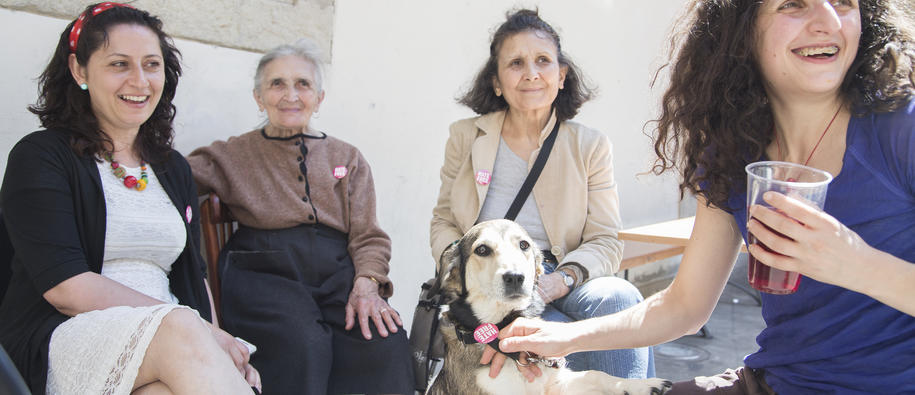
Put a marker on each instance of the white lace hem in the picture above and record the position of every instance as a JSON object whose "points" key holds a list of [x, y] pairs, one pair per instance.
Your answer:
{"points": [[100, 352]]}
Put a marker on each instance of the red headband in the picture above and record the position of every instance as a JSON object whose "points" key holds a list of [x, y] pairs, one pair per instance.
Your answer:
{"points": [[78, 25]]}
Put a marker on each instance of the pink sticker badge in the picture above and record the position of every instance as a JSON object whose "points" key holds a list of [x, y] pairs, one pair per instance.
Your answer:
{"points": [[483, 177], [188, 214], [485, 333], [339, 172]]}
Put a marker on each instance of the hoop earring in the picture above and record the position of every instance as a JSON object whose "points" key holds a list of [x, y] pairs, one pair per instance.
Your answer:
{"points": [[84, 86]]}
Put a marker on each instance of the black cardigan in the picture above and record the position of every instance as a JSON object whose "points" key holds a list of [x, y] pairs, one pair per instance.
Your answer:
{"points": [[54, 209]]}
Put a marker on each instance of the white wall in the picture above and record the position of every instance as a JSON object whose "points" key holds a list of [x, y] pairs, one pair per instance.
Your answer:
{"points": [[397, 67]]}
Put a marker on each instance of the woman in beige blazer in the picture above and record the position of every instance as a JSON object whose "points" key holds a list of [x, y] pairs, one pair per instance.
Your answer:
{"points": [[525, 87]]}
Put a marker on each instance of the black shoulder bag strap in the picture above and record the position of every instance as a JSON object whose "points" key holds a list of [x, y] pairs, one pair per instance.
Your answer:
{"points": [[534, 174]]}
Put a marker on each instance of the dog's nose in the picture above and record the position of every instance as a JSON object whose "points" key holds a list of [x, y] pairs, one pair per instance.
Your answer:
{"points": [[513, 280]]}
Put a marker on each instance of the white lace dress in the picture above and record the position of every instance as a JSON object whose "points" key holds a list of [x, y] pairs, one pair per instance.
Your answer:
{"points": [[100, 352]]}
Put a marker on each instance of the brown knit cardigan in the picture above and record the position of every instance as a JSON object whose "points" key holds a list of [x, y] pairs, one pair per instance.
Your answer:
{"points": [[262, 181]]}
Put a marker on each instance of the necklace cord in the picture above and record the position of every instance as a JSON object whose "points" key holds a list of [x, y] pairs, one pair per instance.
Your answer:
{"points": [[779, 146]]}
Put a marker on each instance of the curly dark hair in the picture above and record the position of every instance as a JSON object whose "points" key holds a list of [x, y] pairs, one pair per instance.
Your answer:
{"points": [[482, 99], [62, 104], [715, 115]]}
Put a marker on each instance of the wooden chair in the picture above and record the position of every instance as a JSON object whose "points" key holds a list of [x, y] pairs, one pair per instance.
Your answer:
{"points": [[217, 225]]}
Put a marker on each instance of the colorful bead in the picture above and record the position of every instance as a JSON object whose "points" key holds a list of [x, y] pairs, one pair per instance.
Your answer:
{"points": [[129, 181]]}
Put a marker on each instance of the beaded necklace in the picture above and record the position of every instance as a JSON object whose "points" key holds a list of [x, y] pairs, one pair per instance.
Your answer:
{"points": [[129, 181]]}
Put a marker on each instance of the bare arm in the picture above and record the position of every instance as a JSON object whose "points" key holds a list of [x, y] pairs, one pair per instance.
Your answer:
{"points": [[682, 308], [90, 291], [890, 281]]}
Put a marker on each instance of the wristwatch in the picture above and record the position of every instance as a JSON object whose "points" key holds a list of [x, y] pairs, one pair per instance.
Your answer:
{"points": [[566, 278]]}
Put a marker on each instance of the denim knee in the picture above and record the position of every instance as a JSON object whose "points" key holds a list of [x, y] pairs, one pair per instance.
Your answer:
{"points": [[600, 296]]}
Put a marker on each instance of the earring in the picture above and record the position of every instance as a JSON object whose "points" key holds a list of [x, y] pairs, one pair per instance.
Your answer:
{"points": [[84, 86], [498, 92]]}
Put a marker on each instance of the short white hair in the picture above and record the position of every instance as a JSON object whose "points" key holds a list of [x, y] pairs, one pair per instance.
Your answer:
{"points": [[304, 48]]}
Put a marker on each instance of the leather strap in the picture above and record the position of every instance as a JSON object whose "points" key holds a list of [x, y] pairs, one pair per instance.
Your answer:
{"points": [[534, 174]]}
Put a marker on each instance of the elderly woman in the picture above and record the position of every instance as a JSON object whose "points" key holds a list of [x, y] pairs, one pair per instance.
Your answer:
{"points": [[528, 87], [830, 84], [308, 260], [102, 217]]}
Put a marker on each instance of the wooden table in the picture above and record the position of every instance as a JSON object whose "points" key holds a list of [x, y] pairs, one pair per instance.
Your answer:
{"points": [[674, 235]]}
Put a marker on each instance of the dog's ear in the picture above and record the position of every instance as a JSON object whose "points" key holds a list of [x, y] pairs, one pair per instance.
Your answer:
{"points": [[450, 272], [444, 260]]}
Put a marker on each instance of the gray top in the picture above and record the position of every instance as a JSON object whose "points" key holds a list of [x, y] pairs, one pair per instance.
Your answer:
{"points": [[508, 173]]}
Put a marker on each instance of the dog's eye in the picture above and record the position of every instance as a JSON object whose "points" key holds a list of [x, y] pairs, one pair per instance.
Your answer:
{"points": [[482, 250], [524, 245]]}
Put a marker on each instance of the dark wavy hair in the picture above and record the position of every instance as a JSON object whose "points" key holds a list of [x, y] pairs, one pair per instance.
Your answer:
{"points": [[62, 104], [715, 116], [482, 99]]}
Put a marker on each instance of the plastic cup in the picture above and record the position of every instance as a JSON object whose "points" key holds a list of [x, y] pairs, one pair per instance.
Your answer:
{"points": [[797, 181]]}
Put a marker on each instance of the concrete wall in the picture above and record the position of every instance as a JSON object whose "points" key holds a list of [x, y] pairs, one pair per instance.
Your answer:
{"points": [[397, 66], [256, 25]]}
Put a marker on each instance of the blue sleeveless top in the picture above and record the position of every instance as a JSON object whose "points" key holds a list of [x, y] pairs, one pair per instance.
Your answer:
{"points": [[826, 339]]}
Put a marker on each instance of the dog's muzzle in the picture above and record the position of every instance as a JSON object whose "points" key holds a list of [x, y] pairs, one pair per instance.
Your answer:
{"points": [[513, 284]]}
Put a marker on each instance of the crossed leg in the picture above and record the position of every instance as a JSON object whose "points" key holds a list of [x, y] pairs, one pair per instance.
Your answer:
{"points": [[184, 358]]}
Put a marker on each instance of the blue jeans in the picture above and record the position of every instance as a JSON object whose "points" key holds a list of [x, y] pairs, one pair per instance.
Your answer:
{"points": [[598, 297]]}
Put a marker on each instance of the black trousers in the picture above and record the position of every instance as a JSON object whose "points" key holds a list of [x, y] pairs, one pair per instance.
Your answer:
{"points": [[285, 291]]}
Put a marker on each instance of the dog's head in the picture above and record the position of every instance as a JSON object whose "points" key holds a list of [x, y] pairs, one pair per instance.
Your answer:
{"points": [[495, 266]]}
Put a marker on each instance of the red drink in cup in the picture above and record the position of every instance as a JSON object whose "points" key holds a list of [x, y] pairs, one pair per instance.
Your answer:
{"points": [[799, 182], [769, 279]]}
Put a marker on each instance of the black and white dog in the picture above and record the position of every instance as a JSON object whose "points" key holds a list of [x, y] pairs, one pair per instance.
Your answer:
{"points": [[488, 279]]}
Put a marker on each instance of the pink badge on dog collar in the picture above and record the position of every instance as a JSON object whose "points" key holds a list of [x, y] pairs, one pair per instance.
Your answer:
{"points": [[485, 333], [339, 172], [483, 177], [188, 214]]}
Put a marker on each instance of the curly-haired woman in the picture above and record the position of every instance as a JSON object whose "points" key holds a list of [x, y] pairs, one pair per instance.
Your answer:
{"points": [[826, 83], [102, 217]]}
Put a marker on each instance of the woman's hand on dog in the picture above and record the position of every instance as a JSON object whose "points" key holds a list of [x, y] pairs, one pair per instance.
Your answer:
{"points": [[544, 338], [552, 287], [365, 303], [490, 355]]}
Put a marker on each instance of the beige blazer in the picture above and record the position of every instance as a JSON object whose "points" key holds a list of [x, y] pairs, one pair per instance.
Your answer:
{"points": [[576, 193]]}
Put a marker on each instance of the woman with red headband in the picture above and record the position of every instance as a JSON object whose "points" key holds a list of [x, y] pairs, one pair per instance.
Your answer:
{"points": [[107, 290]]}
